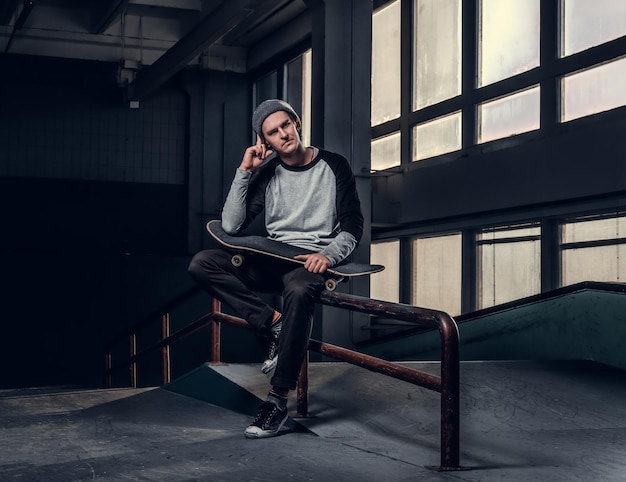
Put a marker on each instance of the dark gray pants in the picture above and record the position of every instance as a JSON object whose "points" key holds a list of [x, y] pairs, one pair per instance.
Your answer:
{"points": [[238, 286]]}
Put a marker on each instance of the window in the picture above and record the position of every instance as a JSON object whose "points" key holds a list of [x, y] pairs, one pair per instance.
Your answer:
{"points": [[437, 137], [496, 92], [509, 264], [436, 273], [298, 90], [593, 90], [593, 249], [526, 67], [436, 51], [508, 39], [509, 115], [587, 23], [386, 63], [386, 152], [385, 286], [293, 85], [266, 88]]}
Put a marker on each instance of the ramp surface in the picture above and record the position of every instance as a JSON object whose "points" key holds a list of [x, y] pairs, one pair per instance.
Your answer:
{"points": [[521, 421]]}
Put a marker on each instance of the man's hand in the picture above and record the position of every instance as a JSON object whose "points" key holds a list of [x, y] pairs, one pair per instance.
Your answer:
{"points": [[255, 155], [315, 263]]}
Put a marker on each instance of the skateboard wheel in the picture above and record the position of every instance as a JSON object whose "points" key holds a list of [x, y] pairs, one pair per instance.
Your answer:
{"points": [[237, 260], [330, 284]]}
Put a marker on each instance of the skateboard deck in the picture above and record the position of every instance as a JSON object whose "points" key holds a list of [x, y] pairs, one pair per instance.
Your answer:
{"points": [[259, 245]]}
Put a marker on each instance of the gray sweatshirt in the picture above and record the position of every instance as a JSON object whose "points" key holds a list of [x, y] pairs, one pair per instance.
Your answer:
{"points": [[315, 207]]}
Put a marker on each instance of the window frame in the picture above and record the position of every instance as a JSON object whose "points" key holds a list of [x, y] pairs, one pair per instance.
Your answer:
{"points": [[547, 75], [279, 67]]}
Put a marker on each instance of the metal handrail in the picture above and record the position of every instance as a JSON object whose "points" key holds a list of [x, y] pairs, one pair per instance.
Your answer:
{"points": [[448, 384]]}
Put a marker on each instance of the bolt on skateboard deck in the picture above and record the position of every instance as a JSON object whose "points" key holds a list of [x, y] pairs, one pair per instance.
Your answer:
{"points": [[259, 245]]}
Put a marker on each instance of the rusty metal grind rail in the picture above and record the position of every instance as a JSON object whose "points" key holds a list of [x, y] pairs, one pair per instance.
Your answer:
{"points": [[448, 384]]}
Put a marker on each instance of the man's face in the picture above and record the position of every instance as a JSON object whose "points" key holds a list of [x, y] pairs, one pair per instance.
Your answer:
{"points": [[281, 132]]}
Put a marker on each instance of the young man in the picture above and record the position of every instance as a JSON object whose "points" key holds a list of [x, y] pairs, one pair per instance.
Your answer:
{"points": [[309, 199]]}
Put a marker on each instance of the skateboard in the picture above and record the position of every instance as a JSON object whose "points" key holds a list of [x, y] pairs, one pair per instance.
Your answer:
{"points": [[258, 245]]}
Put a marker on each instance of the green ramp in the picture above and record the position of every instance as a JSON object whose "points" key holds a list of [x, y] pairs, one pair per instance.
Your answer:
{"points": [[225, 385]]}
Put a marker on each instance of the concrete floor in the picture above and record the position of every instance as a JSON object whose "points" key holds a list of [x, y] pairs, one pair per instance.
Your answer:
{"points": [[521, 421]]}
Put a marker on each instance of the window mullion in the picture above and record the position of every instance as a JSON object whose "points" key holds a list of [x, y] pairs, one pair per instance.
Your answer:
{"points": [[406, 275], [469, 271], [406, 81], [550, 255], [468, 72], [548, 54]]}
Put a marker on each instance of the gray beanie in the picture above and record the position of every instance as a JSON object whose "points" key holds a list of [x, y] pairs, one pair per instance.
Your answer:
{"points": [[268, 107]]}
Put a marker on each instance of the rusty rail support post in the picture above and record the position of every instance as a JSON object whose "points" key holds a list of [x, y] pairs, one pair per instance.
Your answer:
{"points": [[133, 364], [216, 348], [108, 363], [165, 351], [302, 390]]}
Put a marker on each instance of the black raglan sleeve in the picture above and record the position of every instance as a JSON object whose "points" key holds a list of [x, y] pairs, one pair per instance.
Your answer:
{"points": [[348, 204]]}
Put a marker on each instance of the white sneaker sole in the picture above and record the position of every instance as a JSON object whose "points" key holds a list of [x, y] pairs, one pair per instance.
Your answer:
{"points": [[256, 432]]}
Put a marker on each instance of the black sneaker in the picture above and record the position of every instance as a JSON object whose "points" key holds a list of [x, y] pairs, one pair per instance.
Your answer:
{"points": [[272, 352], [268, 421]]}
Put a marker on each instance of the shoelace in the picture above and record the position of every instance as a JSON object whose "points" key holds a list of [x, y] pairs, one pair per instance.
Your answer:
{"points": [[266, 413]]}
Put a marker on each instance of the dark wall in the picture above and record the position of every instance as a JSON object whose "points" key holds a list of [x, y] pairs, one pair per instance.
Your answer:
{"points": [[61, 216], [220, 131], [93, 202], [97, 201], [59, 309], [63, 119], [582, 159], [79, 170]]}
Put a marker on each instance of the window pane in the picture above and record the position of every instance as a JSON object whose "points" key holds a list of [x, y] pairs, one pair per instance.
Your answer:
{"points": [[509, 115], [593, 263], [298, 91], [588, 23], [386, 152], [598, 263], [593, 90], [437, 51], [594, 230], [509, 232], [508, 270], [508, 39], [293, 82], [266, 88], [385, 285], [437, 137], [386, 63], [305, 113], [436, 273]]}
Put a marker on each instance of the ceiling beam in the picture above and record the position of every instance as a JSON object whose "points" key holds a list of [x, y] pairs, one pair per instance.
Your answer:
{"points": [[265, 9], [24, 14], [194, 5], [109, 12], [202, 36], [7, 11], [20, 21]]}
